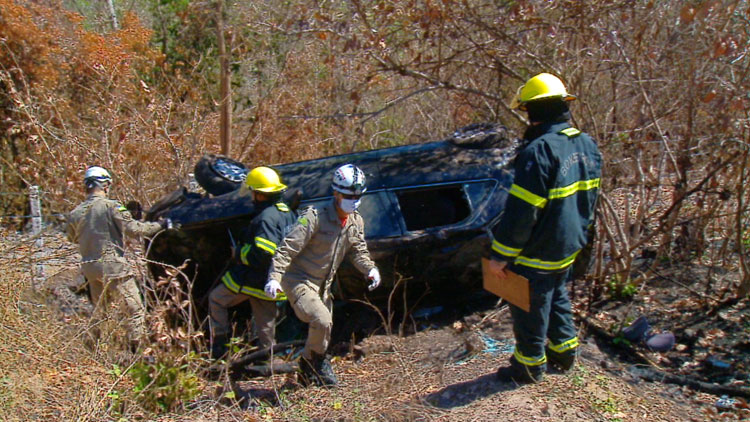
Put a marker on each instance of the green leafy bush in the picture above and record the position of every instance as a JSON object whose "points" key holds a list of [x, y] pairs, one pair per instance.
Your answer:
{"points": [[621, 289], [165, 385]]}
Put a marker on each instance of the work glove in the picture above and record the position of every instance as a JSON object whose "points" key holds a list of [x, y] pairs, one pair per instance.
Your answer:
{"points": [[374, 277], [272, 288], [166, 224]]}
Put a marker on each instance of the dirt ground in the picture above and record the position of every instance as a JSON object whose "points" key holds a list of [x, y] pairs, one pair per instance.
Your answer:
{"points": [[448, 374], [443, 371]]}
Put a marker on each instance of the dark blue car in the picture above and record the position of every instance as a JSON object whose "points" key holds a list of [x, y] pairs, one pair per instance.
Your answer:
{"points": [[428, 210]]}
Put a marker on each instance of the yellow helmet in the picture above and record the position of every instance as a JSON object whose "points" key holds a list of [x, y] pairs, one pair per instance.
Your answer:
{"points": [[540, 87], [264, 179]]}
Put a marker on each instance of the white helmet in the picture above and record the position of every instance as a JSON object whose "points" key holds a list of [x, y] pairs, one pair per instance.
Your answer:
{"points": [[96, 176], [349, 179]]}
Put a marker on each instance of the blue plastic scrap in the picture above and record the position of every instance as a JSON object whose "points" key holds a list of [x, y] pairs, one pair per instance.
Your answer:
{"points": [[491, 346], [427, 312], [725, 402], [495, 347]]}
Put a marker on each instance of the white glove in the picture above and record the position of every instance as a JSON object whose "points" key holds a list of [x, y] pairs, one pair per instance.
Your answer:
{"points": [[272, 289], [374, 277]]}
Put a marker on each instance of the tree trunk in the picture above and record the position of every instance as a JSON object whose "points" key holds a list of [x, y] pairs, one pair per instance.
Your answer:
{"points": [[225, 130], [113, 14], [744, 287]]}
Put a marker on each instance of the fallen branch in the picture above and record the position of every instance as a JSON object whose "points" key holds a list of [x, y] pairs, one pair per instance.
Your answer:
{"points": [[237, 364], [649, 374]]}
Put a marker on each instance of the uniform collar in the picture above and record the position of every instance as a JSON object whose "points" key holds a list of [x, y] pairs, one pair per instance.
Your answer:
{"points": [[260, 206], [535, 131], [97, 194]]}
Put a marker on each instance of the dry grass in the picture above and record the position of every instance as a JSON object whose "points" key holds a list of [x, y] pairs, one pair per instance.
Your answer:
{"points": [[438, 374], [46, 373], [49, 367]]}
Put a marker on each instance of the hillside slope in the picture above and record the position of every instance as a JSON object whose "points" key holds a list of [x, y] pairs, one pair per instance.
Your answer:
{"points": [[444, 372]]}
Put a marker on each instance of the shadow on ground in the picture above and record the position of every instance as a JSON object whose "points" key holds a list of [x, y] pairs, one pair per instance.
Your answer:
{"points": [[464, 393]]}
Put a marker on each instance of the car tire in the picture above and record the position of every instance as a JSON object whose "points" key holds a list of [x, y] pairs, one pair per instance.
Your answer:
{"points": [[481, 136], [218, 174]]}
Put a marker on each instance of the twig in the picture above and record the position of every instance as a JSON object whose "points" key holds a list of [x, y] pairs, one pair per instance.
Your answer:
{"points": [[650, 374]]}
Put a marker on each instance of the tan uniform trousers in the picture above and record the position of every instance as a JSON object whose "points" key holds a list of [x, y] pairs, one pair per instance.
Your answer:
{"points": [[106, 290], [264, 314], [316, 311]]}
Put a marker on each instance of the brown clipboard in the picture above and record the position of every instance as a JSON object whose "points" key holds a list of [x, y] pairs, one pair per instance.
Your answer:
{"points": [[513, 288]]}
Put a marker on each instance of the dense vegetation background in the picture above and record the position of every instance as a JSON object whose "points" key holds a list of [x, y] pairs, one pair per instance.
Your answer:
{"points": [[135, 86], [663, 87]]}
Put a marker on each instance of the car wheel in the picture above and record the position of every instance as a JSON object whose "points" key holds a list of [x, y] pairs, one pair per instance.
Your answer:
{"points": [[219, 175], [481, 136]]}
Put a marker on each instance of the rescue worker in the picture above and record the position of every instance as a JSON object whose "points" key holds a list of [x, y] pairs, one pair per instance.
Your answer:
{"points": [[308, 259], [97, 225], [245, 279], [544, 226]]}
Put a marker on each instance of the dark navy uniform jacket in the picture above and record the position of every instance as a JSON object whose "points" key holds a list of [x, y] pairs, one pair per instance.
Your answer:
{"points": [[258, 245], [551, 203]]}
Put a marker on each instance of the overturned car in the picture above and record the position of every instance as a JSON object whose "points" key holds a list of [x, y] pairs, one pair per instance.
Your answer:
{"points": [[428, 210]]}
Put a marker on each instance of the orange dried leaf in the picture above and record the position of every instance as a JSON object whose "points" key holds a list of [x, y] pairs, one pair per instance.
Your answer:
{"points": [[709, 96], [687, 14]]}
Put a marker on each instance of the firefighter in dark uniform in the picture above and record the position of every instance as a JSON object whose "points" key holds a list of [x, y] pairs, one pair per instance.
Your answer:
{"points": [[545, 224], [246, 277]]}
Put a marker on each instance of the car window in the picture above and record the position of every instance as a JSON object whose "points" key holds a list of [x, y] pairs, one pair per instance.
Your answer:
{"points": [[478, 192], [441, 205], [380, 214]]}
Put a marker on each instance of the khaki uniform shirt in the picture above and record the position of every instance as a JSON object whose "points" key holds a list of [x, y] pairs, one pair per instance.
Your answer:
{"points": [[314, 248], [97, 225]]}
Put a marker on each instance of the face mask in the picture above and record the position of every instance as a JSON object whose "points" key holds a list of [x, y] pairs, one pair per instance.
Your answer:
{"points": [[349, 205]]}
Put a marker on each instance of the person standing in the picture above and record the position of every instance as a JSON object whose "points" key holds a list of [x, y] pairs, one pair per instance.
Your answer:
{"points": [[245, 279], [97, 225], [307, 261], [545, 224]]}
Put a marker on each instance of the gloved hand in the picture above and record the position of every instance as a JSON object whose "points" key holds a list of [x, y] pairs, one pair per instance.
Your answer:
{"points": [[272, 288], [374, 277], [166, 224]]}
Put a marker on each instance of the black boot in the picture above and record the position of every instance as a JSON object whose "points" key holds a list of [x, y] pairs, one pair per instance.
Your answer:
{"points": [[307, 371], [219, 347], [520, 374], [562, 361], [317, 371], [327, 376]]}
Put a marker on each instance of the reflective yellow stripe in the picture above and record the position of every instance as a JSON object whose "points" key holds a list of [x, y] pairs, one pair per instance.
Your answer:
{"points": [[570, 132], [546, 265], [230, 283], [260, 294], [564, 346], [527, 196], [575, 187], [505, 250], [243, 254], [250, 291], [265, 244], [527, 360], [121, 208], [282, 207]]}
